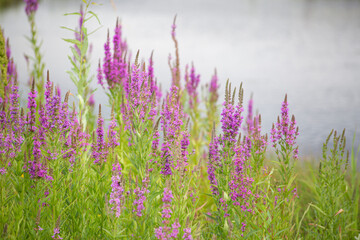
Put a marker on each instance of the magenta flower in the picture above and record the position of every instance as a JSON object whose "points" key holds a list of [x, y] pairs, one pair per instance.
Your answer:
{"points": [[117, 190], [167, 231], [231, 121], [31, 6], [56, 234], [99, 149], [32, 107], [115, 68], [139, 200], [213, 163], [2, 171], [285, 132], [213, 88], [14, 106], [187, 234], [192, 82]]}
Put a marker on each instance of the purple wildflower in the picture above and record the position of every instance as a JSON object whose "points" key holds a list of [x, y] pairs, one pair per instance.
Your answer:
{"points": [[213, 88], [31, 6], [231, 121], [116, 196], [192, 82], [285, 131], [107, 61], [3, 171], [14, 106], [32, 107], [139, 201], [56, 234], [187, 234], [213, 163], [99, 152], [100, 76]]}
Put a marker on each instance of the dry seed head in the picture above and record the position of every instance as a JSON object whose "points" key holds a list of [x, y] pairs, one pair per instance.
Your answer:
{"points": [[58, 222], [175, 19], [38, 216], [293, 118], [47, 76], [213, 132], [5, 229], [239, 139], [67, 97], [157, 124], [259, 119], [347, 160], [227, 92], [32, 84], [143, 66], [328, 138], [233, 97], [112, 112], [137, 58], [285, 100], [241, 95], [99, 110], [73, 109], [187, 124]]}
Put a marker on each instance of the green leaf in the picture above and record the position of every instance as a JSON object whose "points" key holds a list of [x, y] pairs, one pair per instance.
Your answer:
{"points": [[93, 14], [73, 41], [73, 13], [66, 28]]}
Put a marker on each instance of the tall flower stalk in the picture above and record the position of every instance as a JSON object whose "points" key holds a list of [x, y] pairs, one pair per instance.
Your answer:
{"points": [[80, 71], [37, 72]]}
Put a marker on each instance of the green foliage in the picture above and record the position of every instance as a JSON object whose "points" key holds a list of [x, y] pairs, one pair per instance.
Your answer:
{"points": [[38, 68], [80, 62]]}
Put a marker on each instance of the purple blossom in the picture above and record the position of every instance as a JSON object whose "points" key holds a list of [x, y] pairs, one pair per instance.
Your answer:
{"points": [[3, 171], [11, 68], [153, 85], [285, 132], [115, 67], [213, 163], [107, 61], [165, 155], [249, 118], [172, 114], [241, 183], [32, 108], [139, 200], [99, 151], [192, 82], [100, 76], [112, 138], [117, 190], [14, 106], [231, 121], [31, 6], [91, 100], [167, 231], [213, 88], [56, 234], [187, 234]]}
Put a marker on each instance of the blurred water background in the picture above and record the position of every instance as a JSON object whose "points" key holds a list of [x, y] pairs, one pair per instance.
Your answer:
{"points": [[309, 49]]}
